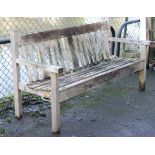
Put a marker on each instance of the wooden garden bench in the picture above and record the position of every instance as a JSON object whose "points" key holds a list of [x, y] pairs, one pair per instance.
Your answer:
{"points": [[64, 63]]}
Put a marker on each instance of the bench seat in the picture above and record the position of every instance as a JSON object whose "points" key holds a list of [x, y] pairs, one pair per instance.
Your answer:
{"points": [[85, 79]]}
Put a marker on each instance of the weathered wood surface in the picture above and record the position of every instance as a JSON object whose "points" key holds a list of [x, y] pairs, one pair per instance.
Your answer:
{"points": [[81, 54], [130, 41], [58, 33], [85, 79], [145, 34], [47, 68], [71, 53], [16, 75], [55, 104], [152, 44]]}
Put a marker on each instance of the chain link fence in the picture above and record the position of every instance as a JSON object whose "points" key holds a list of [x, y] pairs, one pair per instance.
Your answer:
{"points": [[29, 25]]}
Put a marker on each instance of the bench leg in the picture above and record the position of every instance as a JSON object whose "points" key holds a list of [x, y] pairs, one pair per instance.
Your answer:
{"points": [[142, 77], [16, 74], [55, 105], [18, 104], [142, 73]]}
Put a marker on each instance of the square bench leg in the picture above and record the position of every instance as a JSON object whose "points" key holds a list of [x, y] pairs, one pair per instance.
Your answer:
{"points": [[16, 74], [18, 104], [142, 77], [55, 105], [142, 73]]}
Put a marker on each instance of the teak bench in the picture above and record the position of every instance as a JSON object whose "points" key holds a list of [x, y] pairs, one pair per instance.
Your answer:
{"points": [[64, 63]]}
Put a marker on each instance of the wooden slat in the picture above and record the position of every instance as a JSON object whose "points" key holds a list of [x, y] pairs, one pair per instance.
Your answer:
{"points": [[102, 72], [79, 75], [82, 77], [76, 75], [90, 73], [130, 41], [67, 53], [47, 68], [152, 44], [104, 39], [73, 55], [38, 83], [92, 82], [41, 93], [24, 56], [58, 33], [81, 86], [31, 56], [95, 67], [53, 50], [68, 80]]}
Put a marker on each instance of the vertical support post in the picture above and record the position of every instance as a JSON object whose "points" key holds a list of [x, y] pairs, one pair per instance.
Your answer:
{"points": [[148, 37], [16, 74], [142, 73], [55, 105], [144, 34]]}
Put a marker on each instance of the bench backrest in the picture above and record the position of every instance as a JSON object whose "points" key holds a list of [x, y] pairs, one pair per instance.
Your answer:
{"points": [[72, 48]]}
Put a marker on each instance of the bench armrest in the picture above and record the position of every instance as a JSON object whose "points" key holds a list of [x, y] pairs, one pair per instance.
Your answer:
{"points": [[130, 41], [47, 68]]}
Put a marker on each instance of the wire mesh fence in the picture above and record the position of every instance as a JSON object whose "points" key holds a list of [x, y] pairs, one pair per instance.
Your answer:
{"points": [[132, 31], [36, 24]]}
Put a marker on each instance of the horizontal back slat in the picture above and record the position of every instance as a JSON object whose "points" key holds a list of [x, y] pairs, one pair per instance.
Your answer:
{"points": [[58, 33]]}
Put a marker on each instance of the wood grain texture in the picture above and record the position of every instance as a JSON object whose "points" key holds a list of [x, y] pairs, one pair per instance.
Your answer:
{"points": [[71, 53], [130, 41], [86, 79], [55, 105], [16, 75], [58, 33], [76, 59], [47, 68]]}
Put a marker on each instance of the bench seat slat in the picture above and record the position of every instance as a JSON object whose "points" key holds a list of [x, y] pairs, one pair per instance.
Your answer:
{"points": [[85, 73], [75, 74], [67, 82]]}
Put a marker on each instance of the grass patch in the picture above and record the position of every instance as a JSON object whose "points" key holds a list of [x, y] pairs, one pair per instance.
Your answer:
{"points": [[114, 92], [66, 106], [37, 114], [8, 119], [2, 131]]}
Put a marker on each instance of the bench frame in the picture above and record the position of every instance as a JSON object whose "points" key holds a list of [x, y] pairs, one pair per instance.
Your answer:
{"points": [[54, 71]]}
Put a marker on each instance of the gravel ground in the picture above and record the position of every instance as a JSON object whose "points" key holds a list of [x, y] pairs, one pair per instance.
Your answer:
{"points": [[117, 109]]}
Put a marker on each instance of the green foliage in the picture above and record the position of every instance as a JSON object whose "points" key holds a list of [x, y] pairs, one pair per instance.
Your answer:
{"points": [[5, 100], [2, 104], [2, 131], [66, 106], [8, 119]]}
